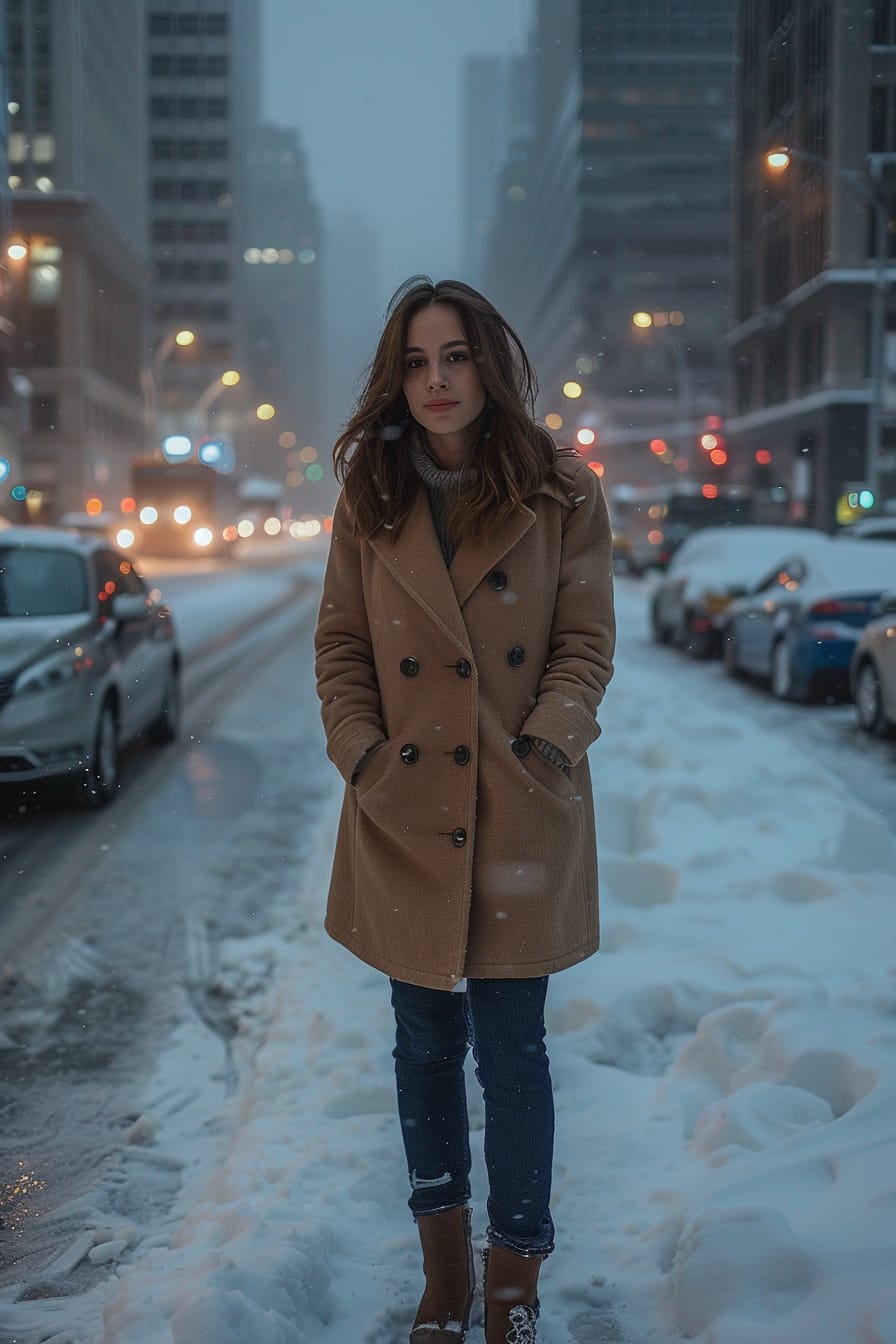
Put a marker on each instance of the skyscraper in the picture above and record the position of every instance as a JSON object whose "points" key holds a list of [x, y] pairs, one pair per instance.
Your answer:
{"points": [[813, 348], [619, 206], [77, 264], [203, 102]]}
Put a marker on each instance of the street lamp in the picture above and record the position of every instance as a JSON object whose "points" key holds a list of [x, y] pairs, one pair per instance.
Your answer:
{"points": [[779, 160], [179, 338]]}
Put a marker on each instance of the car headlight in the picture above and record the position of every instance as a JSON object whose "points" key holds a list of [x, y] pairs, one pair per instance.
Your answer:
{"points": [[51, 672]]}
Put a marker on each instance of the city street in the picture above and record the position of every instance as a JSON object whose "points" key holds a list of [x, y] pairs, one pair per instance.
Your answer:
{"points": [[200, 1145]]}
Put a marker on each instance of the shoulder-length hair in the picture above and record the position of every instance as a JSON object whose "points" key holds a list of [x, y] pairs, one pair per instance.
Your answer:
{"points": [[513, 455]]}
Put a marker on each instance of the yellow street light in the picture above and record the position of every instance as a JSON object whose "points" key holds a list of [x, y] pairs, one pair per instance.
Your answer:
{"points": [[230, 378], [642, 320], [184, 337], [778, 159], [265, 411], [572, 389], [553, 420]]}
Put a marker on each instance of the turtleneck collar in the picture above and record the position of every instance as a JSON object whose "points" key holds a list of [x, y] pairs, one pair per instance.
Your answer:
{"points": [[435, 477]]}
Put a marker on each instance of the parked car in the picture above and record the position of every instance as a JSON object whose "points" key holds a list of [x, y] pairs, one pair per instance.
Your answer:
{"points": [[800, 625], [88, 660], [707, 572], [872, 673], [880, 528]]}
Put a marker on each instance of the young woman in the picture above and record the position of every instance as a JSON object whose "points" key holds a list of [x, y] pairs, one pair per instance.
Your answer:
{"points": [[464, 644]]}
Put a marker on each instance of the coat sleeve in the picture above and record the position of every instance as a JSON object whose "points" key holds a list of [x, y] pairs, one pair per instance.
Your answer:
{"points": [[583, 630], [344, 664]]}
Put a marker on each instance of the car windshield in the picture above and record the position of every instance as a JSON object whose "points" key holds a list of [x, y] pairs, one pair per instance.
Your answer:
{"points": [[41, 581]]}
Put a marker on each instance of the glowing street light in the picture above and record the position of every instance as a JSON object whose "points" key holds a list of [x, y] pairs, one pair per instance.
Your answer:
{"points": [[642, 320], [572, 389], [265, 411]]}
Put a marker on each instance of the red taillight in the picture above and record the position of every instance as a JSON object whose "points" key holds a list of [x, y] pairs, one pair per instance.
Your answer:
{"points": [[833, 608]]}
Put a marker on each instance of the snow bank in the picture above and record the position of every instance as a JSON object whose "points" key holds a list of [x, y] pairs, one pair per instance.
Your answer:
{"points": [[725, 1076]]}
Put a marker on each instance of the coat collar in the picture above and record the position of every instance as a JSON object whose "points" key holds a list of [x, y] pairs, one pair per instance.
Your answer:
{"points": [[416, 561]]}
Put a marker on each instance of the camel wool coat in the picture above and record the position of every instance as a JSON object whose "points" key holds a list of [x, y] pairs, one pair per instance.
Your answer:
{"points": [[461, 850]]}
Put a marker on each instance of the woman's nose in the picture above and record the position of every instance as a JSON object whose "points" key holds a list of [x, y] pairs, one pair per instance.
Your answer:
{"points": [[436, 377]]}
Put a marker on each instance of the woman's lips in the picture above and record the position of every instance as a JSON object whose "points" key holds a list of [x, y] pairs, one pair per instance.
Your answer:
{"points": [[440, 405]]}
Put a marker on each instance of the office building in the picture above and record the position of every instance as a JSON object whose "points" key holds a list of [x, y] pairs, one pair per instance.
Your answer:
{"points": [[203, 77], [617, 205], [813, 344], [76, 246]]}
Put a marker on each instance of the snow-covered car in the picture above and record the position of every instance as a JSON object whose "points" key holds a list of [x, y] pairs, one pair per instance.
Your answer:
{"points": [[88, 660], [800, 625], [707, 572], [872, 673]]}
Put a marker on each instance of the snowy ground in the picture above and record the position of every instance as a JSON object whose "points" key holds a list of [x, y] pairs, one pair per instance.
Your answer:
{"points": [[725, 1070]]}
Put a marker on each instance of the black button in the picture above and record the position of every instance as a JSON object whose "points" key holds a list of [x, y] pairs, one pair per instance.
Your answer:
{"points": [[459, 837], [516, 656], [409, 667], [409, 753], [520, 747], [497, 580], [463, 668], [462, 755]]}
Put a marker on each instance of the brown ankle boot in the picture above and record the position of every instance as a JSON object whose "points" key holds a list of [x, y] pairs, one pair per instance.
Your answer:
{"points": [[511, 1296], [444, 1311]]}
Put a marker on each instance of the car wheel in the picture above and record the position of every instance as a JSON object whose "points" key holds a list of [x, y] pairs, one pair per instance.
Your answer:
{"points": [[166, 727], [729, 656], [98, 784], [869, 701]]}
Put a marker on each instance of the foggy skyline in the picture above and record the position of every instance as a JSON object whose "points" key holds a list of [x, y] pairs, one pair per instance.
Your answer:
{"points": [[376, 92]]}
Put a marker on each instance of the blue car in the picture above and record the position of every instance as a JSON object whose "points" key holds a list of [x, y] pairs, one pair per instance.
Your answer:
{"points": [[798, 627]]}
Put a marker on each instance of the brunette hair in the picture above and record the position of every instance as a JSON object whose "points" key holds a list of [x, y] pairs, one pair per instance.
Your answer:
{"points": [[513, 454]]}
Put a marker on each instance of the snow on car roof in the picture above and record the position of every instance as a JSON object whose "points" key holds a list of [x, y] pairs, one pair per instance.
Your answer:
{"points": [[717, 556], [868, 565]]}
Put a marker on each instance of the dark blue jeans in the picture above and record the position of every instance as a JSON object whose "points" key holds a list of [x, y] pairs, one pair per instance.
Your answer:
{"points": [[503, 1020]]}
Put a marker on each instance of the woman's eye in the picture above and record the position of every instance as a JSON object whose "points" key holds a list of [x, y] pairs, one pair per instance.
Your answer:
{"points": [[457, 356], [415, 363]]}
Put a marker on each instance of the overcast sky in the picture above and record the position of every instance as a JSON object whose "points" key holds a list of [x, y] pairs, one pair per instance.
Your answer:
{"points": [[374, 87]]}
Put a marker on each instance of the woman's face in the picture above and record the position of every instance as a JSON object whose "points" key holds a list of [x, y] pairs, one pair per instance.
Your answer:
{"points": [[442, 385]]}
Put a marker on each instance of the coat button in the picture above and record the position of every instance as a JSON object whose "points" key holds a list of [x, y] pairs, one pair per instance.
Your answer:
{"points": [[409, 667], [409, 753], [463, 668], [520, 747], [516, 656], [459, 837], [462, 755], [497, 580]]}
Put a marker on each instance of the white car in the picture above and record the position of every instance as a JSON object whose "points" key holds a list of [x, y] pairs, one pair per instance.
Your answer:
{"points": [[872, 672], [88, 659], [707, 572]]}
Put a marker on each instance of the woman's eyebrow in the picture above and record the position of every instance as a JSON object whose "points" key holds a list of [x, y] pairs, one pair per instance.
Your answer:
{"points": [[418, 350]]}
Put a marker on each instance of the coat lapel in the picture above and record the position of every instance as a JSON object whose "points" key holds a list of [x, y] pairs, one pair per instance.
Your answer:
{"points": [[415, 559], [475, 559]]}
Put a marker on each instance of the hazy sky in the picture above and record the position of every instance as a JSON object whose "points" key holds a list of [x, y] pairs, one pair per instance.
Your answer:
{"points": [[374, 87]]}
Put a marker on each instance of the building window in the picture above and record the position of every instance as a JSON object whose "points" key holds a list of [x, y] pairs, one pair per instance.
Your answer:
{"points": [[883, 24], [164, 23], [811, 354], [775, 371], [744, 384]]}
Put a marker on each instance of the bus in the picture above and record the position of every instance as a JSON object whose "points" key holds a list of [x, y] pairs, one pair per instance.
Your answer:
{"points": [[182, 509], [651, 521]]}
